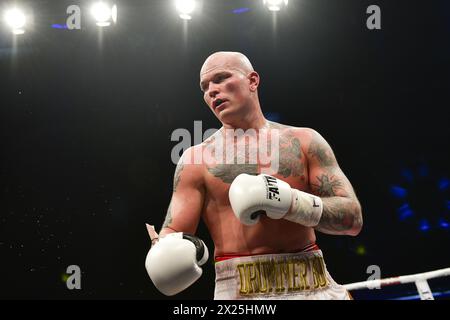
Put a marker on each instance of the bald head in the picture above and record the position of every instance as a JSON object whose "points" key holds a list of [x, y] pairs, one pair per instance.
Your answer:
{"points": [[230, 88], [227, 60]]}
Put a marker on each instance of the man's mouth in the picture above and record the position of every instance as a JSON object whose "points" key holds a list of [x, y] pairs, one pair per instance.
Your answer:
{"points": [[218, 102]]}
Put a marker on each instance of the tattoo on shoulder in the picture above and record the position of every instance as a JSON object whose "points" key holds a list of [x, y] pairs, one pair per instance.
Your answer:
{"points": [[177, 177], [317, 150], [290, 156], [327, 185]]}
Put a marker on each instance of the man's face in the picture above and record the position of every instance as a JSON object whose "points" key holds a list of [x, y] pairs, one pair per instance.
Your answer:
{"points": [[225, 90]]}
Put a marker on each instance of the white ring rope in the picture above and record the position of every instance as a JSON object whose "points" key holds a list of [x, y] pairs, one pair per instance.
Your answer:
{"points": [[420, 279]]}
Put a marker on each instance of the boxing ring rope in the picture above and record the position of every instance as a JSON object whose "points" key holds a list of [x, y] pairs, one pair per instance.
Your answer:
{"points": [[420, 279]]}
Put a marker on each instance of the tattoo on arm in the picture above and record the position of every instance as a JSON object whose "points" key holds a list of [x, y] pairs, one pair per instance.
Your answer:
{"points": [[339, 215], [317, 150], [341, 210], [168, 219], [177, 177], [327, 186], [176, 181]]}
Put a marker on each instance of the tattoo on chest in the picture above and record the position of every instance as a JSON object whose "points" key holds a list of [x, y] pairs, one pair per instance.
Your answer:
{"points": [[289, 157], [227, 172]]}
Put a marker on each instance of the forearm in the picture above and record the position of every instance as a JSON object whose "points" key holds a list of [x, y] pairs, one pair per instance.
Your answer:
{"points": [[340, 216], [166, 227], [154, 236], [165, 231]]}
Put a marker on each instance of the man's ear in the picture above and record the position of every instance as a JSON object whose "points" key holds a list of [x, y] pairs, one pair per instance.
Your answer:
{"points": [[253, 77]]}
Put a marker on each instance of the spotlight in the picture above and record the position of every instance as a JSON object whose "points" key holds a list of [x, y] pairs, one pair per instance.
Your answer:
{"points": [[104, 14], [185, 8], [275, 5], [114, 14], [16, 20]]}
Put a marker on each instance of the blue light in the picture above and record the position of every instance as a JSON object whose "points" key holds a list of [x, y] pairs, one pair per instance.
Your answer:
{"points": [[443, 224], [423, 170], [59, 26], [241, 10], [272, 116], [399, 192], [407, 174], [424, 225], [405, 212], [441, 294], [444, 183]]}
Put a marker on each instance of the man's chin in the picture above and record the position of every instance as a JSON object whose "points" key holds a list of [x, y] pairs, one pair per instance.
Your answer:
{"points": [[225, 115]]}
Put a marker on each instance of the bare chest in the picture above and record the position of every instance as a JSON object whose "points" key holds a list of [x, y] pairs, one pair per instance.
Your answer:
{"points": [[288, 163]]}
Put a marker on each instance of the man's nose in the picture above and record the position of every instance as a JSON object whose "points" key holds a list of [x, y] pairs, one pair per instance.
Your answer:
{"points": [[213, 90]]}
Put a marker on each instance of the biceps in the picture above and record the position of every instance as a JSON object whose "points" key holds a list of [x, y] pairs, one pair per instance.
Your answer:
{"points": [[329, 182], [185, 210]]}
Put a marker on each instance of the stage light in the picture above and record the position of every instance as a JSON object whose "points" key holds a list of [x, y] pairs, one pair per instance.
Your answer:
{"points": [[114, 14], [16, 20], [103, 13], [444, 183], [424, 226], [240, 10], [443, 223], [405, 211], [275, 5], [423, 198], [185, 8], [273, 116], [399, 192]]}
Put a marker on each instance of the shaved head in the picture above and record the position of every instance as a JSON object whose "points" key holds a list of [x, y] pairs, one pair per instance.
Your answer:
{"points": [[227, 60], [230, 89]]}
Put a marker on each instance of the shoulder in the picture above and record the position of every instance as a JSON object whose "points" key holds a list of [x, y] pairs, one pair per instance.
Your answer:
{"points": [[195, 154], [310, 135], [311, 142], [304, 134], [190, 165]]}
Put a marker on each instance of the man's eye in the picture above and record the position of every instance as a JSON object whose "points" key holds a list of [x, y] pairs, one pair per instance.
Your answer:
{"points": [[220, 78]]}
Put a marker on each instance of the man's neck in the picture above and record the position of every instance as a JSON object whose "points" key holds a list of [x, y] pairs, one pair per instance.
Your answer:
{"points": [[255, 121]]}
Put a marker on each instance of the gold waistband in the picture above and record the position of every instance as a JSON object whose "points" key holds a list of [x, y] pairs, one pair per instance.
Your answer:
{"points": [[277, 274]]}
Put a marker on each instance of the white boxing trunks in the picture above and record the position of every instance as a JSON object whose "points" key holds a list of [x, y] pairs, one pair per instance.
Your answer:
{"points": [[288, 276]]}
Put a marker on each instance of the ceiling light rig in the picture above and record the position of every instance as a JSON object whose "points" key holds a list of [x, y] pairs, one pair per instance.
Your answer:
{"points": [[275, 5], [104, 14], [186, 8], [16, 20]]}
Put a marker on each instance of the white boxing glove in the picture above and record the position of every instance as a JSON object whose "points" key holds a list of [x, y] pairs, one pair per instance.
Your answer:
{"points": [[173, 263], [251, 196]]}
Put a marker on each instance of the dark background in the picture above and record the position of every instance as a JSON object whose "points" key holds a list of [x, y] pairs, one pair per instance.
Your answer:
{"points": [[86, 120]]}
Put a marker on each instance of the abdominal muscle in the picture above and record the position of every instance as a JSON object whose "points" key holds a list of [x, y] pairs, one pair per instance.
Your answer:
{"points": [[231, 237]]}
